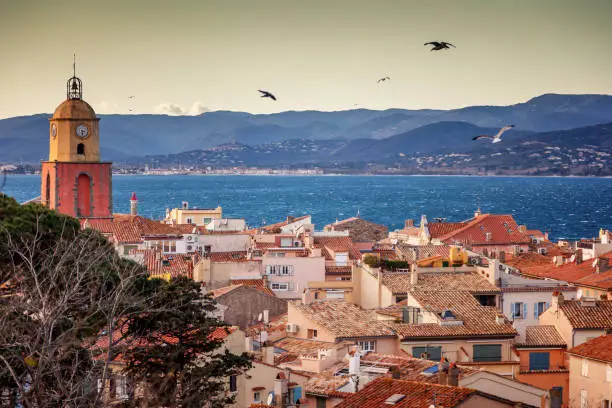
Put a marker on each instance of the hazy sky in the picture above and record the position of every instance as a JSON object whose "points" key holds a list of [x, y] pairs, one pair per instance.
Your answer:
{"points": [[190, 56]]}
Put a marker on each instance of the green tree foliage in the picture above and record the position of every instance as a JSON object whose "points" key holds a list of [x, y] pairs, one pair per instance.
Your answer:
{"points": [[63, 289], [371, 260]]}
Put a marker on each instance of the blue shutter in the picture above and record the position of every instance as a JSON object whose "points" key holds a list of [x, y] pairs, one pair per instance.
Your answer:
{"points": [[524, 310], [297, 394], [539, 361], [547, 305], [512, 311], [535, 310]]}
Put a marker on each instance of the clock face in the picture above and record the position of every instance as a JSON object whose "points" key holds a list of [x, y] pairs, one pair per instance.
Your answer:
{"points": [[82, 131], [53, 130]]}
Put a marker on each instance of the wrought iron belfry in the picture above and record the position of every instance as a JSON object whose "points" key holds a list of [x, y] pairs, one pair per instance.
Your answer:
{"points": [[74, 87]]}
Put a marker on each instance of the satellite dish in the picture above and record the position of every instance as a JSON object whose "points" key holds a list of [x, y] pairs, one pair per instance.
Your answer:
{"points": [[260, 317], [270, 399]]}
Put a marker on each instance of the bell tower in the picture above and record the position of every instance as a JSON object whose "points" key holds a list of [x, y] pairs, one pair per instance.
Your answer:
{"points": [[74, 180]]}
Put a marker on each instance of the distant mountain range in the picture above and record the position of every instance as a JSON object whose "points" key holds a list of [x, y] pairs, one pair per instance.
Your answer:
{"points": [[330, 138]]}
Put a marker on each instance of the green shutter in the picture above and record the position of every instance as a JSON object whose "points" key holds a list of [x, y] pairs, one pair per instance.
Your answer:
{"points": [[433, 353], [487, 352]]}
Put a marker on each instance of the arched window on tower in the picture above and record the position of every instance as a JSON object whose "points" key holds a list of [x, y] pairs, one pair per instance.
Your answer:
{"points": [[48, 190], [83, 195], [80, 148]]}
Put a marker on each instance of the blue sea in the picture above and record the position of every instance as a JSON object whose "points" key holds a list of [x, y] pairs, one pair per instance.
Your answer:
{"points": [[569, 208]]}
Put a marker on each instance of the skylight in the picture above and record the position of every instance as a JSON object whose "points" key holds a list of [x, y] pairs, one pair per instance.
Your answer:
{"points": [[394, 399]]}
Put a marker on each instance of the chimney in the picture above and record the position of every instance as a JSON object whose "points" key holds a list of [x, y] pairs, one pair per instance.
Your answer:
{"points": [[395, 372], [488, 236], [281, 389], [306, 297], [557, 300], [290, 219], [409, 223], [546, 236], [443, 367], [268, 354], [578, 256], [453, 375], [248, 344], [354, 363], [414, 277], [133, 204], [184, 205]]}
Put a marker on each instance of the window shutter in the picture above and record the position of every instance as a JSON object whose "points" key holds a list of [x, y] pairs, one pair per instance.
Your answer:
{"points": [[547, 305], [524, 310], [487, 352], [535, 311], [512, 309]]}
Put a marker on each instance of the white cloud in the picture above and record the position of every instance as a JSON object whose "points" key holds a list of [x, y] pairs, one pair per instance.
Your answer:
{"points": [[174, 109], [107, 107]]}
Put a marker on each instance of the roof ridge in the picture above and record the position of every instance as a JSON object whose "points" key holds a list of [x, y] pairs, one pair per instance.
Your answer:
{"points": [[467, 225]]}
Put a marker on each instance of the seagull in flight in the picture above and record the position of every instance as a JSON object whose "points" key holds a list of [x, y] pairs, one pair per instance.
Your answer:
{"points": [[266, 94], [439, 45], [497, 137], [383, 79], [131, 97]]}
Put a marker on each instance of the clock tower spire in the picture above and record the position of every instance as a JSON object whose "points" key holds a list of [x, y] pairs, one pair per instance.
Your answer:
{"points": [[74, 180]]}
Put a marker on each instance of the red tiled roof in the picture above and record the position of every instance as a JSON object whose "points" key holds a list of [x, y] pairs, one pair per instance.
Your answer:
{"points": [[232, 256], [599, 348], [411, 253], [477, 320], [399, 282], [503, 229], [175, 265], [439, 229], [254, 283], [582, 316], [276, 325], [597, 280], [344, 320], [416, 395], [583, 273], [338, 244], [542, 336]]}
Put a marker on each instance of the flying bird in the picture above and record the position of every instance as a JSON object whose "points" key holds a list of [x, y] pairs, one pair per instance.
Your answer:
{"points": [[439, 45], [497, 137], [131, 97], [266, 94], [439, 219], [383, 79]]}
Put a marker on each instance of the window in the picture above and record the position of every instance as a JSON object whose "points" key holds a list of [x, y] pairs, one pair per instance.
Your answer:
{"points": [[585, 367], [539, 308], [428, 352], [169, 246], [487, 352], [80, 148], [606, 404], [609, 373], [321, 402], [189, 220], [128, 248], [584, 403], [121, 391], [312, 333], [367, 345], [233, 383], [206, 220], [519, 310], [280, 270], [539, 361], [316, 295], [256, 396], [279, 286], [286, 242]]}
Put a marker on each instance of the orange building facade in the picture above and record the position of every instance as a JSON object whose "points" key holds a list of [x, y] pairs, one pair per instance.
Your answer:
{"points": [[74, 180]]}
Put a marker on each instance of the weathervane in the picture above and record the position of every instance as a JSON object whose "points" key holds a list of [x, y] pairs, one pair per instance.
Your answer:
{"points": [[74, 87]]}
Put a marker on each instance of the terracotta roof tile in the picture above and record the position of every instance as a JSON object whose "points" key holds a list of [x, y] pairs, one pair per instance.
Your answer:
{"points": [[344, 320], [275, 326], [337, 270], [254, 283], [338, 244], [299, 346], [413, 253], [598, 280], [503, 229], [477, 320], [399, 282], [160, 265], [232, 256], [582, 316], [542, 336], [599, 348], [439, 229], [416, 394]]}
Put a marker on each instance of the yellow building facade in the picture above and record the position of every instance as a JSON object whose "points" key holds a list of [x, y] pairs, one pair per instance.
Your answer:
{"points": [[195, 216]]}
